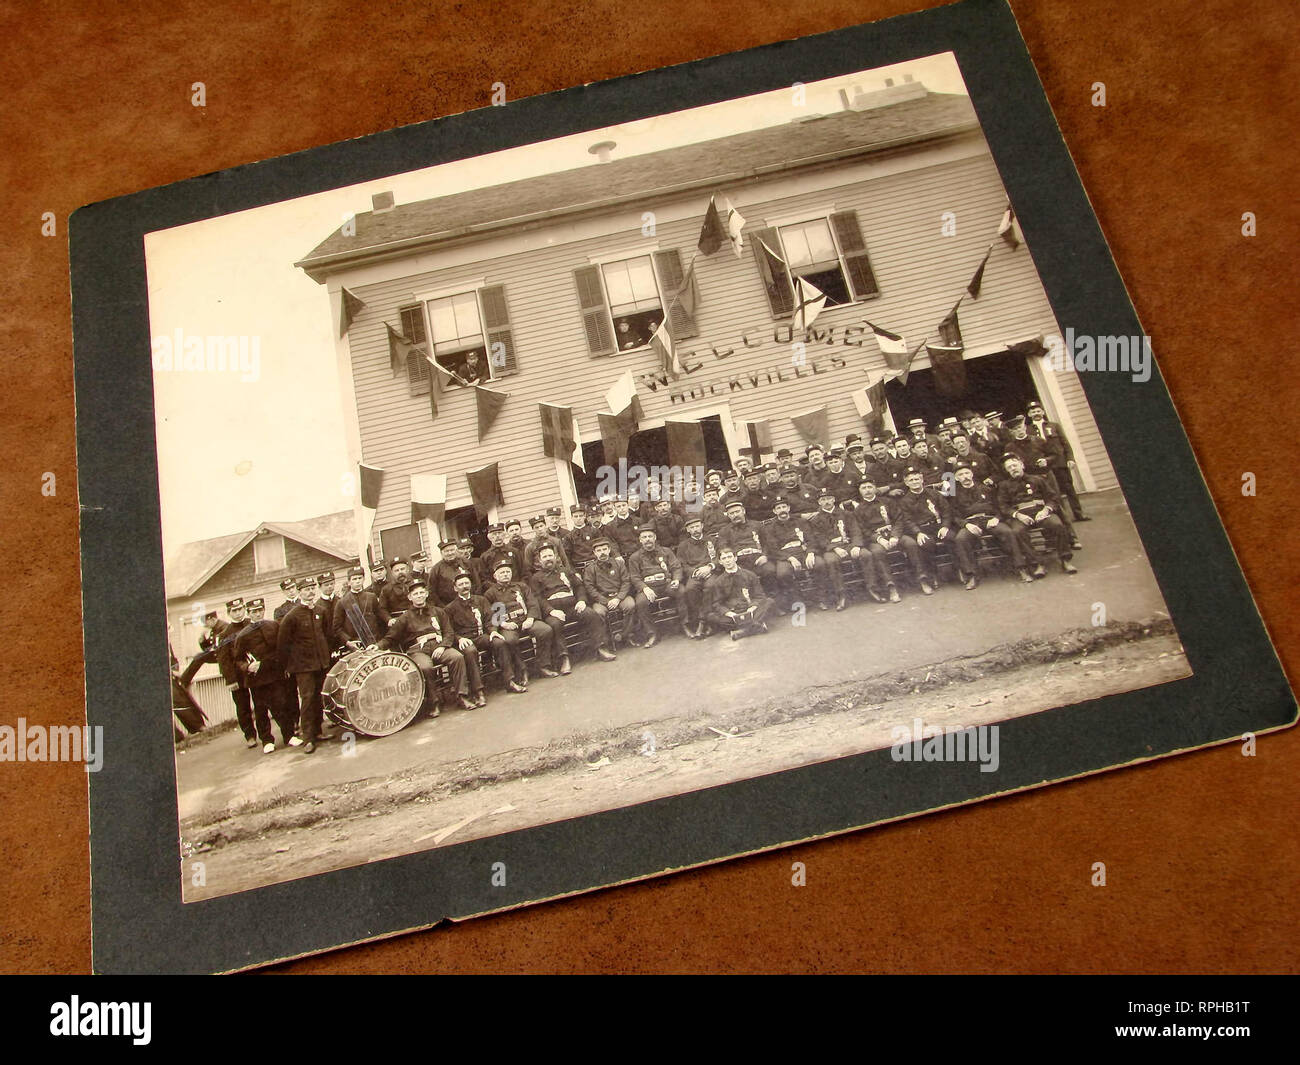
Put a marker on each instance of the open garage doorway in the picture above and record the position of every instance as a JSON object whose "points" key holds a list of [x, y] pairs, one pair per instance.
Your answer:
{"points": [[649, 448], [993, 382]]}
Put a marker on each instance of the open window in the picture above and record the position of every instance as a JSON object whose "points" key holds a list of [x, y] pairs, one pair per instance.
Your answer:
{"points": [[623, 302], [829, 252]]}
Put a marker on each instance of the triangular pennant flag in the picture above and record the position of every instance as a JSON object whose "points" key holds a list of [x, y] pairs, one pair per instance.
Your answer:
{"points": [[686, 444], [489, 406], [711, 234], [808, 303], [907, 361], [350, 306], [758, 435], [1009, 229], [615, 432], [735, 223], [812, 425], [950, 328], [578, 459], [663, 346], [485, 489], [870, 404], [975, 282], [398, 348], [892, 346], [428, 496], [1028, 348], [622, 397], [949, 369], [557, 431]]}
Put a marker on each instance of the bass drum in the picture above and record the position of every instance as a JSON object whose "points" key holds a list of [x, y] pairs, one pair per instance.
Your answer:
{"points": [[374, 693]]}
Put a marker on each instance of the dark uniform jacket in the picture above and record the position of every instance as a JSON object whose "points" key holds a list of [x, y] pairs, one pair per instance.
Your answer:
{"points": [[1032, 452], [787, 539], [991, 444], [734, 591], [516, 599], [832, 529], [668, 529], [470, 617], [801, 498], [693, 554], [843, 487], [975, 504], [922, 511], [874, 519], [558, 589], [492, 558], [1053, 439], [259, 640], [536, 544], [376, 588], [715, 518], [442, 580], [226, 633], [415, 624], [1028, 492], [758, 505], [985, 468], [607, 580], [577, 544], [656, 566], [396, 596], [372, 613], [623, 531], [745, 538], [283, 608], [303, 642]]}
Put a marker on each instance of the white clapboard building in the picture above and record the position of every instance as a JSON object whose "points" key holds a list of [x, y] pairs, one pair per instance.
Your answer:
{"points": [[556, 282]]}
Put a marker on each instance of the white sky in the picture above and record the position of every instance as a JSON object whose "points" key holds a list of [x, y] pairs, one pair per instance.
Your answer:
{"points": [[233, 453]]}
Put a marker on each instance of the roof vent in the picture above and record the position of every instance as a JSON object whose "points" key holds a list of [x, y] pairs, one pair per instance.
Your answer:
{"points": [[892, 93], [601, 150], [381, 202]]}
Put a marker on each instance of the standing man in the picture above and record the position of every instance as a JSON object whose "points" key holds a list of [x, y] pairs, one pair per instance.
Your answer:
{"points": [[563, 598], [624, 528], [256, 648], [500, 551], [579, 541], [303, 648], [544, 537], [735, 599], [1059, 454], [325, 584], [424, 633], [378, 578], [231, 673], [442, 579], [610, 587], [656, 574], [698, 558], [358, 620], [394, 597], [667, 525], [290, 588]]}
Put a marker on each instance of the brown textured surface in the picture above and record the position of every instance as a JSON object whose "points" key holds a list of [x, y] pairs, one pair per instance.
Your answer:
{"points": [[1201, 850]]}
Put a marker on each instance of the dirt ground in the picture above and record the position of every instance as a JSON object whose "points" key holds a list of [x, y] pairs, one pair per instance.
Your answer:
{"points": [[425, 807]]}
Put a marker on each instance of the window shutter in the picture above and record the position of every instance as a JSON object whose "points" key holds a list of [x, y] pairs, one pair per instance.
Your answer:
{"points": [[775, 278], [496, 328], [681, 322], [862, 282], [595, 311], [417, 372]]}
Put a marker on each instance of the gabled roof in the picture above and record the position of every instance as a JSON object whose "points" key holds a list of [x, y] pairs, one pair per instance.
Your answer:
{"points": [[742, 156], [194, 564]]}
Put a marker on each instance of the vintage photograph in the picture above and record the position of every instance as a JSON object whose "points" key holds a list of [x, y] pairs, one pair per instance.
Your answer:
{"points": [[621, 466]]}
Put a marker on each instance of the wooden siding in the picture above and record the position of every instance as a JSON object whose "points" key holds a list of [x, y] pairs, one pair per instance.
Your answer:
{"points": [[920, 272]]}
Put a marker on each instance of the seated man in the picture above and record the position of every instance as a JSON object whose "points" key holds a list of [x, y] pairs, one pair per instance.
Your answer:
{"points": [[517, 615], [1027, 500], [922, 523], [610, 586], [874, 521], [563, 598], [471, 620], [831, 532], [656, 574], [425, 633], [975, 513], [789, 547], [735, 598]]}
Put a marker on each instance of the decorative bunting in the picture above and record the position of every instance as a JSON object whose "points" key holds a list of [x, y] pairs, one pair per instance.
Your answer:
{"points": [[1030, 349], [735, 223], [558, 431], [489, 404], [616, 431], [622, 397], [711, 234], [975, 282], [428, 496], [808, 303], [687, 294], [870, 403], [485, 489], [349, 307], [812, 425], [949, 369], [686, 444], [398, 349], [1009, 229], [371, 480], [892, 346], [759, 435], [663, 346]]}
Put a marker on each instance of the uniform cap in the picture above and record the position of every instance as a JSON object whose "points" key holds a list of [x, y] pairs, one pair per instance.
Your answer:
{"points": [[554, 512], [504, 563], [288, 584], [647, 528], [496, 526], [448, 543], [827, 490], [257, 604], [356, 571], [211, 615], [735, 503], [537, 520], [577, 508], [601, 540], [307, 582], [328, 575], [398, 560], [1016, 422], [235, 604], [694, 519], [417, 582]]}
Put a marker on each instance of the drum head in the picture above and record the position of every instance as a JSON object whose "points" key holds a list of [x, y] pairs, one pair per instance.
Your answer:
{"points": [[375, 693]]}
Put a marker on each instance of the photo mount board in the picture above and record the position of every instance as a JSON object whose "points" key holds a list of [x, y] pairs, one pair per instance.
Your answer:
{"points": [[139, 923]]}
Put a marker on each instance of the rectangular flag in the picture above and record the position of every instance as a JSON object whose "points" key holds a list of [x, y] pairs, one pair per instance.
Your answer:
{"points": [[428, 496], [892, 346], [371, 480], [870, 404], [559, 433], [622, 397], [1009, 229], [398, 348], [735, 222], [907, 361], [349, 307], [485, 488], [687, 293], [949, 369], [615, 432], [711, 234], [662, 344], [758, 439], [686, 444], [808, 303]]}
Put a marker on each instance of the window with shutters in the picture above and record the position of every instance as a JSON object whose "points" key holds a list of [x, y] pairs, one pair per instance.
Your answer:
{"points": [[623, 302], [471, 335], [829, 252], [417, 364]]}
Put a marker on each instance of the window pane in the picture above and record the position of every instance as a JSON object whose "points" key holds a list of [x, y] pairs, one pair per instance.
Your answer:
{"points": [[467, 323], [618, 283], [642, 277], [809, 242], [796, 246], [442, 317]]}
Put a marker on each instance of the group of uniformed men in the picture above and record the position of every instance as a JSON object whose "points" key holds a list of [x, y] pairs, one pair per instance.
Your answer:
{"points": [[725, 564]]}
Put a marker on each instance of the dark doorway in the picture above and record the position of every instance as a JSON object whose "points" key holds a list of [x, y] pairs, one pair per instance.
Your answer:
{"points": [[647, 448], [993, 382], [463, 523]]}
